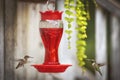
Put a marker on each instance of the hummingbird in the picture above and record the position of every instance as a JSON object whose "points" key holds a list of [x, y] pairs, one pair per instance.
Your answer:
{"points": [[96, 66], [23, 61]]}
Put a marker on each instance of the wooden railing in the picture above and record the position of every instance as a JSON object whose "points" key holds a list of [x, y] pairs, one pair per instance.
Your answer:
{"points": [[101, 41], [1, 40], [112, 6]]}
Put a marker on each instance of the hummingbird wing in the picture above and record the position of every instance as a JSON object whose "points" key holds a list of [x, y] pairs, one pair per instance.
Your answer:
{"points": [[21, 63], [19, 60], [98, 69], [100, 72]]}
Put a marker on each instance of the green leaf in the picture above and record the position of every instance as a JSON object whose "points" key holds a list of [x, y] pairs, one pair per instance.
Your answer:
{"points": [[66, 2], [69, 45], [69, 25], [82, 29], [66, 6], [84, 56], [84, 13], [82, 63], [82, 36], [69, 37], [66, 18], [78, 22], [69, 20], [72, 2], [72, 7], [82, 18], [81, 48], [68, 31], [82, 23], [81, 42], [68, 12], [79, 2]]}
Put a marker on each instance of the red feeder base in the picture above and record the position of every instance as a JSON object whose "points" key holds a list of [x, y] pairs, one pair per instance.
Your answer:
{"points": [[51, 68]]}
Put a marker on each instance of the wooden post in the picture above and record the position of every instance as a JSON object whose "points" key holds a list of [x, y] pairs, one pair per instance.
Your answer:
{"points": [[1, 39], [101, 44], [115, 43], [21, 39], [110, 5], [10, 19]]}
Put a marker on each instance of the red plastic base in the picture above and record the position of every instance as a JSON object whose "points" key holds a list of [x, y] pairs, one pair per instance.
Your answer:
{"points": [[51, 68]]}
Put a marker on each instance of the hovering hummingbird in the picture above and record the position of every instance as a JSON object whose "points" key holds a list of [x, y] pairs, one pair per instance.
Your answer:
{"points": [[23, 61], [96, 66]]}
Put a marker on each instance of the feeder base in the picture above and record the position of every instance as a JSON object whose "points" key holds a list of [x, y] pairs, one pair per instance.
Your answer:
{"points": [[51, 68]]}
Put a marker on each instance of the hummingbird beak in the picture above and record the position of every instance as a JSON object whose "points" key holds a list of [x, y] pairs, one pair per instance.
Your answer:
{"points": [[31, 57]]}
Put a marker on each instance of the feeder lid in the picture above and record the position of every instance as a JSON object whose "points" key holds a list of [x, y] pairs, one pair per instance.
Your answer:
{"points": [[51, 15]]}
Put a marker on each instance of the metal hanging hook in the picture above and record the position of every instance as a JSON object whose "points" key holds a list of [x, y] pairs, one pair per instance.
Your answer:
{"points": [[48, 4]]}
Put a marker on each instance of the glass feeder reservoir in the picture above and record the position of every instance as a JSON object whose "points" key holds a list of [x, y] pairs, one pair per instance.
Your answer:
{"points": [[51, 30]]}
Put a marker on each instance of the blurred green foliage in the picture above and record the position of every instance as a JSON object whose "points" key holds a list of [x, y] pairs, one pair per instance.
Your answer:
{"points": [[90, 48]]}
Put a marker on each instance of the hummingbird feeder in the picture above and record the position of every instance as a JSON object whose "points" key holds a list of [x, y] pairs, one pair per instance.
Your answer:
{"points": [[51, 30]]}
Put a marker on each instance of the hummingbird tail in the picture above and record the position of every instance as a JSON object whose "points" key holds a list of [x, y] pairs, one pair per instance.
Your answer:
{"points": [[17, 67], [100, 73]]}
